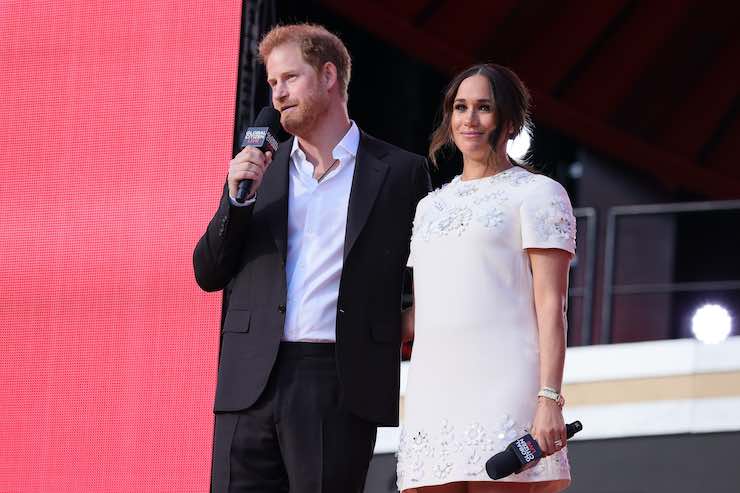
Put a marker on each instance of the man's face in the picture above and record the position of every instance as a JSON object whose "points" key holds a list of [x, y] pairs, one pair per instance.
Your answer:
{"points": [[298, 92]]}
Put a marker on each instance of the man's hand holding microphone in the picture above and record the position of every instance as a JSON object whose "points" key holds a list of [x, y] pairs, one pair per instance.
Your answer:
{"points": [[250, 164], [248, 167]]}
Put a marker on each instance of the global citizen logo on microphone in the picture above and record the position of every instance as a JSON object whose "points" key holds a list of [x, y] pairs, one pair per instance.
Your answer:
{"points": [[255, 137], [526, 449]]}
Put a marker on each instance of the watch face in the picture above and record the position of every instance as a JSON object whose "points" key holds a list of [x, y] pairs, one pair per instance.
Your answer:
{"points": [[552, 395]]}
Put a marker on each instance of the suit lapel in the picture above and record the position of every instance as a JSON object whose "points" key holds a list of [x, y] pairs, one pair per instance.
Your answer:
{"points": [[272, 196], [369, 174]]}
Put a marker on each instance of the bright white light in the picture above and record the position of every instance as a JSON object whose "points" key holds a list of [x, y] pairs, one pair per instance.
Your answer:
{"points": [[711, 324], [519, 145]]}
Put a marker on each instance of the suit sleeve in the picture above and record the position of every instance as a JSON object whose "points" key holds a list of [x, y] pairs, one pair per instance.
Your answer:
{"points": [[216, 256], [422, 181]]}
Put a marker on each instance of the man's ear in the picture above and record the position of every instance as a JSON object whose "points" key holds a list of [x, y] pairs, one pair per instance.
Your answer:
{"points": [[329, 74]]}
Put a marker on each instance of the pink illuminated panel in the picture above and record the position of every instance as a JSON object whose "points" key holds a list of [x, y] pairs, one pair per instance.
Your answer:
{"points": [[116, 123]]}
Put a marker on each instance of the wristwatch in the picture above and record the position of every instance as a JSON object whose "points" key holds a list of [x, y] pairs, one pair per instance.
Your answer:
{"points": [[552, 394]]}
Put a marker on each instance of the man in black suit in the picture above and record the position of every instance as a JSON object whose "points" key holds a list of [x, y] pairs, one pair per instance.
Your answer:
{"points": [[314, 259]]}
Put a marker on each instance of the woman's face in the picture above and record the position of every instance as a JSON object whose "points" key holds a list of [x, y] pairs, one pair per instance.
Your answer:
{"points": [[473, 118]]}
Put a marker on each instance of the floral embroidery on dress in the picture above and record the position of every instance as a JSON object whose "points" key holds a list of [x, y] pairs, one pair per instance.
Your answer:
{"points": [[522, 179], [507, 428], [490, 206], [442, 469], [465, 189], [436, 198], [433, 204], [421, 456], [455, 220], [447, 447], [478, 448], [556, 221], [441, 216], [412, 452], [496, 196], [491, 218]]}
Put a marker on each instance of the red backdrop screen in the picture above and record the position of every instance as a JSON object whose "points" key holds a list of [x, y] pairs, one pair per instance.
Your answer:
{"points": [[116, 121]]}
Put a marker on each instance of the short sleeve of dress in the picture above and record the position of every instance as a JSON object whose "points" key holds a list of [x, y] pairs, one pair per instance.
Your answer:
{"points": [[547, 219]]}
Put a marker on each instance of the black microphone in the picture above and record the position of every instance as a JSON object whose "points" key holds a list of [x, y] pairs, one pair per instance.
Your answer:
{"points": [[521, 454], [262, 136]]}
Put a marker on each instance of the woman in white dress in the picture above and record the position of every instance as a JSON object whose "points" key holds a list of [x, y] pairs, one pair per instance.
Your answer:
{"points": [[490, 253]]}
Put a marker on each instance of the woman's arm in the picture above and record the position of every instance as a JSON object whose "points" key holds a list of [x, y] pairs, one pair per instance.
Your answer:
{"points": [[550, 284], [407, 320]]}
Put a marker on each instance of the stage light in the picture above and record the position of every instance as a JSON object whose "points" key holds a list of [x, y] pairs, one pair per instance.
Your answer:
{"points": [[517, 147], [711, 324]]}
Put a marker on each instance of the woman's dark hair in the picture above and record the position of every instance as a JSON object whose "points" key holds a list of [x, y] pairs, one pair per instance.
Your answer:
{"points": [[511, 102]]}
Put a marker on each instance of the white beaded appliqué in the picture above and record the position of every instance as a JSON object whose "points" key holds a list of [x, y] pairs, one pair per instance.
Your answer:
{"points": [[451, 209], [520, 179], [465, 189], [555, 221], [425, 456], [490, 208]]}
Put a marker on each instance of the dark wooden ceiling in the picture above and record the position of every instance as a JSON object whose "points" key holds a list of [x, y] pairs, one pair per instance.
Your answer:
{"points": [[653, 84]]}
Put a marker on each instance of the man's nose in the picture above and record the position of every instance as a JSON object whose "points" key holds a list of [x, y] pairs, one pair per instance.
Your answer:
{"points": [[279, 92]]}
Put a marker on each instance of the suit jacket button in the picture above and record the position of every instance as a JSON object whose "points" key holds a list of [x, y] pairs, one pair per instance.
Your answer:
{"points": [[281, 308]]}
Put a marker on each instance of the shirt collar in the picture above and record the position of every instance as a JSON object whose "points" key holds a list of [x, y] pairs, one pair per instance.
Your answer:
{"points": [[346, 147]]}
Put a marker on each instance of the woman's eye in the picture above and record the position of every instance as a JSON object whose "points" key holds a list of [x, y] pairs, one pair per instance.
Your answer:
{"points": [[459, 107], [485, 107]]}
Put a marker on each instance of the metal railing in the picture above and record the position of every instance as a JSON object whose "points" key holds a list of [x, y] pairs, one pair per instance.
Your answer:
{"points": [[586, 290], [610, 289]]}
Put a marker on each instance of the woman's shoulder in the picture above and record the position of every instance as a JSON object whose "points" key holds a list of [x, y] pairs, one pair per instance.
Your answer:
{"points": [[428, 199], [439, 192], [538, 184]]}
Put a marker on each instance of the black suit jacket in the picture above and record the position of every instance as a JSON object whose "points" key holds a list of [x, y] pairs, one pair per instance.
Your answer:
{"points": [[245, 249]]}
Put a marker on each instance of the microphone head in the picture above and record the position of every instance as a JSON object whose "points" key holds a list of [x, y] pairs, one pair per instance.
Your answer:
{"points": [[502, 464], [268, 117], [263, 133], [573, 428]]}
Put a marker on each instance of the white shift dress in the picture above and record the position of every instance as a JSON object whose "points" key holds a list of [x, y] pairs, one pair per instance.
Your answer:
{"points": [[474, 373]]}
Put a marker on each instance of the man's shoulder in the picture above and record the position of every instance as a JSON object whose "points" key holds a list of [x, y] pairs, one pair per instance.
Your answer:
{"points": [[382, 149]]}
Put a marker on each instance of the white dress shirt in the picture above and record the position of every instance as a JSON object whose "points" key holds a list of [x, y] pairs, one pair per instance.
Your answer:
{"points": [[317, 220]]}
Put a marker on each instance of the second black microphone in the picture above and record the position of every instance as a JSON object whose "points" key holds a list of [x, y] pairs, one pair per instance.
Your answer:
{"points": [[522, 453]]}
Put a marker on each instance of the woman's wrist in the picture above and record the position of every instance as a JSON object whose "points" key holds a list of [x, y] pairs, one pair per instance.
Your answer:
{"points": [[550, 395]]}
